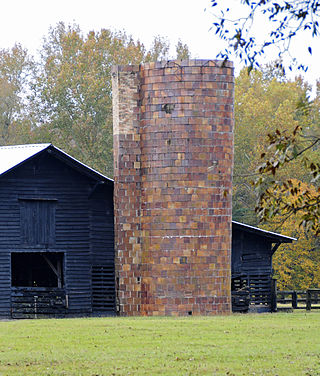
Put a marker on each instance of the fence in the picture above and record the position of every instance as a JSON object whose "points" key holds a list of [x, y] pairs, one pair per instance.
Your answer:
{"points": [[309, 299]]}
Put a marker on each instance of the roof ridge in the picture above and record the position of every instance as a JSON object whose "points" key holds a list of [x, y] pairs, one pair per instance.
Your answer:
{"points": [[12, 156], [24, 146]]}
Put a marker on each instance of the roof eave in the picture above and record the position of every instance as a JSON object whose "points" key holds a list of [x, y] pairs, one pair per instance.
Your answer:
{"points": [[75, 163], [273, 236]]}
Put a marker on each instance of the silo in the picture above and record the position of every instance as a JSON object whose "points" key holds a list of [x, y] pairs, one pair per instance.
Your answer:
{"points": [[173, 155]]}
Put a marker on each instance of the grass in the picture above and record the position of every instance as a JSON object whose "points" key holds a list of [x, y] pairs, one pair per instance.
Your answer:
{"points": [[253, 344]]}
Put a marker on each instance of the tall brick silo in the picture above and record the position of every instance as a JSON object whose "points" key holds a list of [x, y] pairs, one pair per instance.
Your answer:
{"points": [[173, 155]]}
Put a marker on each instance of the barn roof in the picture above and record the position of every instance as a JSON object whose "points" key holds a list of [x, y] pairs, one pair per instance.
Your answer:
{"points": [[272, 236], [13, 156]]}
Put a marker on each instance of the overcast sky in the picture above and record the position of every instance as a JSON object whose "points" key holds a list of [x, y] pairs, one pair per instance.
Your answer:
{"points": [[27, 21]]}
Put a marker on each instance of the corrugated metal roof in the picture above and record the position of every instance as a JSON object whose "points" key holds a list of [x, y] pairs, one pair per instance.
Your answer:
{"points": [[13, 156], [269, 234]]}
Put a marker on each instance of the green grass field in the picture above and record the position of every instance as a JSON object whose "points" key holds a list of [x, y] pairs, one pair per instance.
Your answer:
{"points": [[264, 344]]}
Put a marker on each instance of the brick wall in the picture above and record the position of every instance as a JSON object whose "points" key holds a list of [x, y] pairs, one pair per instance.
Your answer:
{"points": [[173, 153]]}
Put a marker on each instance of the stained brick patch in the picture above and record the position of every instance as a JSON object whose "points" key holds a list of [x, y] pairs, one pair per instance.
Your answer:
{"points": [[173, 155]]}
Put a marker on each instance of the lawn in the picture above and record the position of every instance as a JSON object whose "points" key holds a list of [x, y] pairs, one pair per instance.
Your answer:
{"points": [[253, 344]]}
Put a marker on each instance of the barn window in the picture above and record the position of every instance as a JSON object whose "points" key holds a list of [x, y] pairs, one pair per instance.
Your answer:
{"points": [[37, 222], [37, 269]]}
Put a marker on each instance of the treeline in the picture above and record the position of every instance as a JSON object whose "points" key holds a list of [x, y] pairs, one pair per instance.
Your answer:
{"points": [[64, 96], [266, 102]]}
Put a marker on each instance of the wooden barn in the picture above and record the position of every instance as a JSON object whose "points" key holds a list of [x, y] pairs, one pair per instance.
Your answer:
{"points": [[56, 239], [252, 285]]}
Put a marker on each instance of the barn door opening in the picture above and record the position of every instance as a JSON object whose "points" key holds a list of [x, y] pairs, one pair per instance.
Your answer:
{"points": [[37, 269], [37, 285]]}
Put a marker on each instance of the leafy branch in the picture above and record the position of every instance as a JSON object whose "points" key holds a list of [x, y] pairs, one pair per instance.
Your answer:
{"points": [[287, 19], [289, 196]]}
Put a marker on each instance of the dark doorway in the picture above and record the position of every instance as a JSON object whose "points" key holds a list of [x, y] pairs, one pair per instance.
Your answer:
{"points": [[37, 269]]}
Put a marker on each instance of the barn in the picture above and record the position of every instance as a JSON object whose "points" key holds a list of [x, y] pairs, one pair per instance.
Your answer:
{"points": [[252, 285], [56, 238]]}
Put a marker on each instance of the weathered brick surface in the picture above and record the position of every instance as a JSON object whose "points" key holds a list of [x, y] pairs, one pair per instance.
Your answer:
{"points": [[173, 149]]}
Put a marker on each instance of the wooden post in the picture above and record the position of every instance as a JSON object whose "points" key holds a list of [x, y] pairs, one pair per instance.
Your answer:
{"points": [[273, 295], [308, 306], [59, 273], [294, 300]]}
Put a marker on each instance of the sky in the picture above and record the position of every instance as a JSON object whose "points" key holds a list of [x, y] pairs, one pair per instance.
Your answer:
{"points": [[27, 21]]}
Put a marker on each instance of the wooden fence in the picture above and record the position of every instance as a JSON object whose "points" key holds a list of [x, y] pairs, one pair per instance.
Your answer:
{"points": [[309, 299]]}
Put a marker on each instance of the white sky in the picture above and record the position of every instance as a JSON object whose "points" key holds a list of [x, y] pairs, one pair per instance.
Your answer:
{"points": [[27, 21]]}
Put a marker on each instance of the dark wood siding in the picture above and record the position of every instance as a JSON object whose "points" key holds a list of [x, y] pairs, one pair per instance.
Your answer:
{"points": [[102, 248], [251, 269], [37, 222], [250, 253], [68, 191]]}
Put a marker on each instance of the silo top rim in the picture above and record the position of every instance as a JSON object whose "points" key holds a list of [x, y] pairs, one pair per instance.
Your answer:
{"points": [[180, 63]]}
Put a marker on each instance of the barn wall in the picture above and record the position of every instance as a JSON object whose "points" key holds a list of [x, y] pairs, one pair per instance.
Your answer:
{"points": [[251, 270], [102, 250], [47, 178], [250, 253], [173, 146]]}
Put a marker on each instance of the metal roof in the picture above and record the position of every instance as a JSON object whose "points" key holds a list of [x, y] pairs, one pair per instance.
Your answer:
{"points": [[275, 237], [13, 156]]}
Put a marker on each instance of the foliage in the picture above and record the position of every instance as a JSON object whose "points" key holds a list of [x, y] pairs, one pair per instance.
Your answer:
{"points": [[159, 49], [283, 21], [182, 50], [228, 345], [280, 196], [72, 94], [296, 264], [15, 66], [264, 101], [298, 140]]}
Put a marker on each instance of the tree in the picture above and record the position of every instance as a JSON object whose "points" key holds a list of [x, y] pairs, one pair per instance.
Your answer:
{"points": [[15, 71], [182, 50], [287, 20], [281, 197], [297, 265], [264, 101], [72, 93], [278, 195], [159, 49]]}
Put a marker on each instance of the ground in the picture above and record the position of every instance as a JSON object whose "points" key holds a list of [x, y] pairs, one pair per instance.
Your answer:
{"points": [[252, 344]]}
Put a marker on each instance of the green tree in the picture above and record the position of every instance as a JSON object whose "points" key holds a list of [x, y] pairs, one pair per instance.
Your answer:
{"points": [[72, 94], [15, 71], [287, 19], [182, 50], [297, 265], [159, 49], [71, 97], [264, 101]]}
